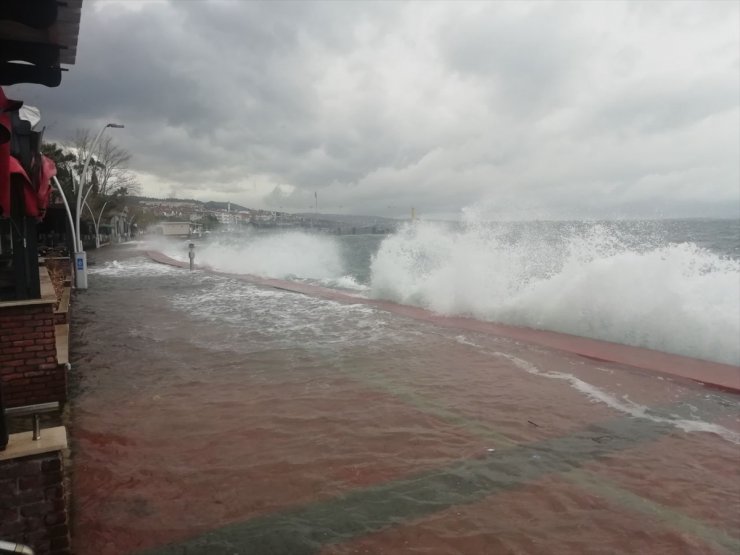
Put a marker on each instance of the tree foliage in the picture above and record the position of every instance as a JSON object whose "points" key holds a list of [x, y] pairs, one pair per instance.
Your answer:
{"points": [[109, 179]]}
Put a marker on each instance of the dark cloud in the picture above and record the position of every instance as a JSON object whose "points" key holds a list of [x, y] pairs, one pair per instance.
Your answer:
{"points": [[527, 59], [614, 108]]}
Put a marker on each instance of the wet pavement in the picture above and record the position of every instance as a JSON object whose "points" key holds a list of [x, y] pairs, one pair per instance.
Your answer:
{"points": [[210, 415]]}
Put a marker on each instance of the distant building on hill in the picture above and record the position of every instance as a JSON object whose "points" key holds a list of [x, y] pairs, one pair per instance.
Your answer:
{"points": [[233, 218], [227, 218], [171, 229]]}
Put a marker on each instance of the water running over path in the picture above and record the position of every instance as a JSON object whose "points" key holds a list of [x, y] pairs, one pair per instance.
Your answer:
{"points": [[212, 415]]}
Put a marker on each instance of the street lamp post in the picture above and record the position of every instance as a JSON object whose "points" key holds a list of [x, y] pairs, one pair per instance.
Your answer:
{"points": [[80, 255], [69, 212]]}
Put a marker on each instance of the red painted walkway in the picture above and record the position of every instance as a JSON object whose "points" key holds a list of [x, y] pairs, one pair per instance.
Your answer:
{"points": [[723, 376]]}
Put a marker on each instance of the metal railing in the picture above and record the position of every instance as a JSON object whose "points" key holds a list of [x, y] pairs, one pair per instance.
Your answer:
{"points": [[35, 411]]}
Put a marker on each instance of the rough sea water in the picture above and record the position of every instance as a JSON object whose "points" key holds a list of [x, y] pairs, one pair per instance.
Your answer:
{"points": [[213, 415], [671, 285]]}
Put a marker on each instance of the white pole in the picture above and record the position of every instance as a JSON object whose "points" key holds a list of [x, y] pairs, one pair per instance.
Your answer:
{"points": [[96, 222], [80, 255], [83, 182], [100, 216], [84, 200], [69, 212]]}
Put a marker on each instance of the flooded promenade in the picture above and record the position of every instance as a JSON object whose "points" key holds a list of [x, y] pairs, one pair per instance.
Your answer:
{"points": [[211, 415]]}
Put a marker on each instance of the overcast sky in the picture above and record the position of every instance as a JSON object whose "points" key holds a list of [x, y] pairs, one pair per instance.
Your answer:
{"points": [[559, 110]]}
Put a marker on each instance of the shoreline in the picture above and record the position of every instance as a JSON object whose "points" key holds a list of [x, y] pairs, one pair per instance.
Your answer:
{"points": [[716, 375]]}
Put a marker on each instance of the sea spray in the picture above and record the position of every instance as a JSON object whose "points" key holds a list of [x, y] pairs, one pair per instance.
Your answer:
{"points": [[589, 280], [278, 255], [626, 405], [621, 281]]}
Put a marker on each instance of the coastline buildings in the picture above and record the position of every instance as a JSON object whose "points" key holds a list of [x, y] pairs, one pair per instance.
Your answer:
{"points": [[227, 216], [172, 229]]}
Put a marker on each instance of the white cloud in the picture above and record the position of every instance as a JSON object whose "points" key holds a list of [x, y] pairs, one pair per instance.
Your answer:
{"points": [[568, 110]]}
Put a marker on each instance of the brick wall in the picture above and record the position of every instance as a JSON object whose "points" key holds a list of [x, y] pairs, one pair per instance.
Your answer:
{"points": [[33, 506], [28, 365]]}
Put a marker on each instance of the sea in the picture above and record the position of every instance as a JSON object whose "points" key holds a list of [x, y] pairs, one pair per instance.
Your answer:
{"points": [[668, 285], [212, 414]]}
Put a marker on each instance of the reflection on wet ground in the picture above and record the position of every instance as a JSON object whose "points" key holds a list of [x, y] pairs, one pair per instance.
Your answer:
{"points": [[213, 416]]}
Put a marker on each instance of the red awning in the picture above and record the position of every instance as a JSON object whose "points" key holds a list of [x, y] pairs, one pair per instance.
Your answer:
{"points": [[43, 190], [35, 195], [37, 188], [6, 106]]}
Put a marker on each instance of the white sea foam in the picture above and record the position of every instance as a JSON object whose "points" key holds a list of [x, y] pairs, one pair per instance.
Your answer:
{"points": [[280, 255], [624, 404], [465, 341], [270, 318], [344, 282], [591, 282], [134, 266]]}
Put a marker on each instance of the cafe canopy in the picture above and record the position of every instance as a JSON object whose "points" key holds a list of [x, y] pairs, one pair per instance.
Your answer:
{"points": [[37, 38]]}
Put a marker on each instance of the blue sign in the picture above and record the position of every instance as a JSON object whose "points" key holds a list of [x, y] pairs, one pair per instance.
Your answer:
{"points": [[80, 264]]}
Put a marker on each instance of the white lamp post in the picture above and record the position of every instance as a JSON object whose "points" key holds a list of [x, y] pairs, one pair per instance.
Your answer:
{"points": [[69, 213], [80, 255]]}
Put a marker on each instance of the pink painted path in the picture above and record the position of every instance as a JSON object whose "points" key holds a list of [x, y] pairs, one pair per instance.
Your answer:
{"points": [[723, 376]]}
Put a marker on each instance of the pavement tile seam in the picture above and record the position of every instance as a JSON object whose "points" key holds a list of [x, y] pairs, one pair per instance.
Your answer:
{"points": [[583, 478], [305, 529]]}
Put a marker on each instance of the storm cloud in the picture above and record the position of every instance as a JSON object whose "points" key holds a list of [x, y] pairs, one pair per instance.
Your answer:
{"points": [[561, 110]]}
